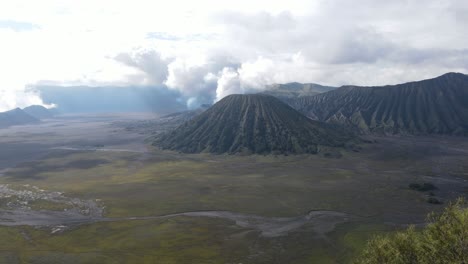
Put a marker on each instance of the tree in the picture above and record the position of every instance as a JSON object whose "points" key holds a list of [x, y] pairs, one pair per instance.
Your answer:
{"points": [[443, 241]]}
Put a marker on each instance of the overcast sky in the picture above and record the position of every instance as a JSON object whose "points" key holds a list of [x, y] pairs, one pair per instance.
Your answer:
{"points": [[205, 50]]}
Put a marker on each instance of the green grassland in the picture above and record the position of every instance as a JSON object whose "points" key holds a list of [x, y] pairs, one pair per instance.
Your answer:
{"points": [[371, 184], [178, 240]]}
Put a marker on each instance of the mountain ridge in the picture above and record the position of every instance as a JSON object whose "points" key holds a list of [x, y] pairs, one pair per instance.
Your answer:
{"points": [[38, 111], [295, 90], [432, 106], [253, 123], [16, 117]]}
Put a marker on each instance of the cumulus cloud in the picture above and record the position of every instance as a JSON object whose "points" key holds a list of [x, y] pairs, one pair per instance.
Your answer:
{"points": [[361, 42], [11, 99], [204, 50], [195, 82], [154, 69]]}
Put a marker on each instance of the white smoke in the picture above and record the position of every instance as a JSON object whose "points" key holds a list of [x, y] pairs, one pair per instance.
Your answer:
{"points": [[228, 83], [255, 75]]}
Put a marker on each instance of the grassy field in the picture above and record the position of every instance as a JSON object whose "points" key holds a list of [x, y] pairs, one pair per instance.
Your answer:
{"points": [[179, 240], [371, 184]]}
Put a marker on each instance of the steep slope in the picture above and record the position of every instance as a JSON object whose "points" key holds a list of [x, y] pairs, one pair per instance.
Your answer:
{"points": [[434, 106], [251, 124], [15, 117], [38, 111], [293, 90]]}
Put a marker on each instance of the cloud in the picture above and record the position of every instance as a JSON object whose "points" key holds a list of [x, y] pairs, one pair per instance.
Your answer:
{"points": [[228, 83], [20, 98], [149, 62], [18, 25], [205, 50], [361, 42]]}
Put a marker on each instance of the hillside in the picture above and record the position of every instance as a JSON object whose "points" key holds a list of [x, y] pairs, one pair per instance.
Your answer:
{"points": [[38, 111], [433, 106], [15, 117], [162, 124], [251, 124], [295, 90]]}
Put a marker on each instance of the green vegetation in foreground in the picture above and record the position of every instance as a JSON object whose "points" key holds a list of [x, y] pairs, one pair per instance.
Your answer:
{"points": [[181, 240], [444, 241], [48, 205]]}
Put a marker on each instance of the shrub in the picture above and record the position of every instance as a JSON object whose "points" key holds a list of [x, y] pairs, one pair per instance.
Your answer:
{"points": [[443, 241]]}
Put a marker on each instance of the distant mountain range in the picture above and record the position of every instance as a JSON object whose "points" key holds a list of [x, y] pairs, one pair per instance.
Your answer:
{"points": [[434, 106], [39, 112], [254, 123], [28, 115], [16, 117]]}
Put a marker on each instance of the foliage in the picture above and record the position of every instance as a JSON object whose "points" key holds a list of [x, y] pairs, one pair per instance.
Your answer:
{"points": [[444, 240]]}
